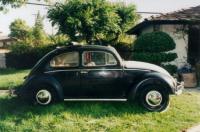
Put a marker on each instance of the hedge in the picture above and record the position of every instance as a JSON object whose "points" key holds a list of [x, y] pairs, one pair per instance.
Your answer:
{"points": [[24, 56]]}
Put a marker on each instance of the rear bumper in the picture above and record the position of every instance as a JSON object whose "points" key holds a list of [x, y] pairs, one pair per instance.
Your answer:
{"points": [[179, 88], [13, 92], [16, 91]]}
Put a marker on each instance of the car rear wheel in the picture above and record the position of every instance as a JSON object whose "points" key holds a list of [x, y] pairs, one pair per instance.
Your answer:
{"points": [[154, 98], [44, 96]]}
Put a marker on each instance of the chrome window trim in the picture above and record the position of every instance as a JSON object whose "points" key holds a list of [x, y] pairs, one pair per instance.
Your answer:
{"points": [[64, 54], [83, 69], [82, 58]]}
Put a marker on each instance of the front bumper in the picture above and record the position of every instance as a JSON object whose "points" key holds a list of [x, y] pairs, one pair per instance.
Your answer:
{"points": [[179, 88]]}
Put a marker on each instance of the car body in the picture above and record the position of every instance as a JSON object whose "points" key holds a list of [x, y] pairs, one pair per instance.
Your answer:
{"points": [[94, 72]]}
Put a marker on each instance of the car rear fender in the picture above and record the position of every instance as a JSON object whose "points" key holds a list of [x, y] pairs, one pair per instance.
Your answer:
{"points": [[152, 78], [35, 81]]}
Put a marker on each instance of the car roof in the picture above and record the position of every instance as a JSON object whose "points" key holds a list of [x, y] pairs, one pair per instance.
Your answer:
{"points": [[75, 47], [85, 47]]}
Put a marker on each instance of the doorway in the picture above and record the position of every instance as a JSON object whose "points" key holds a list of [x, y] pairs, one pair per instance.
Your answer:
{"points": [[194, 44]]}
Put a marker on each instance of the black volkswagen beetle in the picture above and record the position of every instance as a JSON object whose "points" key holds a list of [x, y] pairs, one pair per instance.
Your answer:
{"points": [[97, 73]]}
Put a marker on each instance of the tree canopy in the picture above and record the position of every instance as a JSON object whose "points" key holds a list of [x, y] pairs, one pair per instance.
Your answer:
{"points": [[38, 30], [19, 29], [29, 35], [92, 20], [16, 3]]}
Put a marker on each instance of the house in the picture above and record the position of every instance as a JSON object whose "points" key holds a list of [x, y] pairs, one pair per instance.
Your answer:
{"points": [[5, 41], [183, 26]]}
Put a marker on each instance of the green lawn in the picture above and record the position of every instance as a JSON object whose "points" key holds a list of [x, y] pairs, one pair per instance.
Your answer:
{"points": [[16, 115], [11, 78]]}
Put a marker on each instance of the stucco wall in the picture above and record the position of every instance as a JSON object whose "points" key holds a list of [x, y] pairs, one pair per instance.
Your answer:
{"points": [[180, 38]]}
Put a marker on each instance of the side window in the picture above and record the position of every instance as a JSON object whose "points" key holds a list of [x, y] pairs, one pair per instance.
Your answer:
{"points": [[98, 58], [70, 59]]}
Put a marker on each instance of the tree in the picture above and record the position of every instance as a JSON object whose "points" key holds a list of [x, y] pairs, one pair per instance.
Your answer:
{"points": [[59, 39], [90, 20], [20, 30], [38, 32], [34, 36], [128, 16]]}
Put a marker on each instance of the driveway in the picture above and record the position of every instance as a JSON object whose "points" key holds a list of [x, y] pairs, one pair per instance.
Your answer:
{"points": [[194, 129]]}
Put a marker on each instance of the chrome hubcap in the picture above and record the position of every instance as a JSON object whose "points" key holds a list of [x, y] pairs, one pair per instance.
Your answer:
{"points": [[154, 98], [43, 97]]}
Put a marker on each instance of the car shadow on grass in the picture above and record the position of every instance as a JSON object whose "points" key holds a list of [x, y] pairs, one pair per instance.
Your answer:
{"points": [[12, 106]]}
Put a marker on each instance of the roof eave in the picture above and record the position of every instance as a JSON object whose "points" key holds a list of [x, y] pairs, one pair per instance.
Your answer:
{"points": [[137, 29]]}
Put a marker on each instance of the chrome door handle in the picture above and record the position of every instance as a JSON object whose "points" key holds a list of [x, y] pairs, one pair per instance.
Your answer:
{"points": [[84, 72]]}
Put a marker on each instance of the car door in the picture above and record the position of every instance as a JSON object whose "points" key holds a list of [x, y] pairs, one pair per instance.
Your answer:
{"points": [[64, 67], [101, 75]]}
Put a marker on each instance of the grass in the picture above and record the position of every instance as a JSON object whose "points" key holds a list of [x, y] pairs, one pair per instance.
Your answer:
{"points": [[17, 115], [11, 78]]}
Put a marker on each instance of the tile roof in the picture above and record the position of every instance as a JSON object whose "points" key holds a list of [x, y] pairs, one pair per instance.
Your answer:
{"points": [[192, 13], [184, 16]]}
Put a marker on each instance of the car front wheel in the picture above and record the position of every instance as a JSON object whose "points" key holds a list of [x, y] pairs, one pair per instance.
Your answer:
{"points": [[154, 98]]}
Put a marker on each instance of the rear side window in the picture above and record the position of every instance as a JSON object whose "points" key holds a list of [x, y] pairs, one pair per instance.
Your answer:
{"points": [[98, 58], [70, 59]]}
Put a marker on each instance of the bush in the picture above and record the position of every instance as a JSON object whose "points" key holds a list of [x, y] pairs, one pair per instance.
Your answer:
{"points": [[152, 48], [170, 68], [124, 49], [154, 42], [20, 48], [155, 58]]}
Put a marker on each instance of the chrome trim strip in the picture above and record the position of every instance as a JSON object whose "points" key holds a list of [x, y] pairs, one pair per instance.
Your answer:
{"points": [[95, 99], [84, 70], [137, 69], [94, 70], [100, 51]]}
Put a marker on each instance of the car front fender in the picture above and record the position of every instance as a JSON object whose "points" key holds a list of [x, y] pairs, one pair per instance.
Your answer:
{"points": [[154, 78]]}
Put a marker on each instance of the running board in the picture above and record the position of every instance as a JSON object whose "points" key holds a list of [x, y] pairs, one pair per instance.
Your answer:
{"points": [[95, 99]]}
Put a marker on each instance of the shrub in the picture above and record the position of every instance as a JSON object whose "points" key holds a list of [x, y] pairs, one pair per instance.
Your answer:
{"points": [[170, 68], [155, 58], [154, 42], [152, 48], [20, 48], [124, 49]]}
